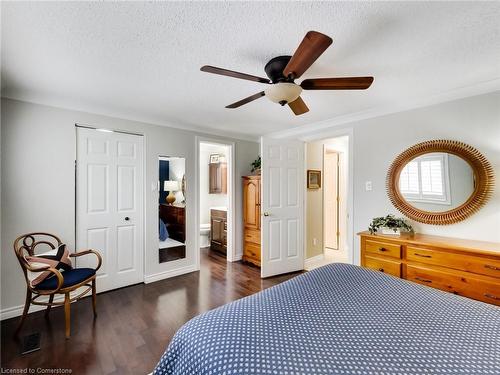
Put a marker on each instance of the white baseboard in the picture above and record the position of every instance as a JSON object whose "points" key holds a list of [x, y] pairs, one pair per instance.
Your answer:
{"points": [[12, 312], [167, 274], [311, 261], [238, 257]]}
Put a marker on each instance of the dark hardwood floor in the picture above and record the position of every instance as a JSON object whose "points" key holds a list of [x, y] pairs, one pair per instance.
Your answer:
{"points": [[134, 324]]}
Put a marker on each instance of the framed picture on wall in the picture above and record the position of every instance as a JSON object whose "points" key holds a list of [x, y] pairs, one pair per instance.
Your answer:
{"points": [[214, 158], [313, 179]]}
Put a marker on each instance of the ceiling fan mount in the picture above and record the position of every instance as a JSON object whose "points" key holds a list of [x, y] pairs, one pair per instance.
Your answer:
{"points": [[284, 70], [274, 69]]}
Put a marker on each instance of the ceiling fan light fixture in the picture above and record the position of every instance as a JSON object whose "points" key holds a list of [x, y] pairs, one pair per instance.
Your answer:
{"points": [[283, 92]]}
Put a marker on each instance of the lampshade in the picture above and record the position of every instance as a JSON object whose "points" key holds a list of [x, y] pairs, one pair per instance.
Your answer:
{"points": [[171, 186], [283, 92]]}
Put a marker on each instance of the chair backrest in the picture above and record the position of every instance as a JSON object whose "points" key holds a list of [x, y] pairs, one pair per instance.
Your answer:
{"points": [[27, 245]]}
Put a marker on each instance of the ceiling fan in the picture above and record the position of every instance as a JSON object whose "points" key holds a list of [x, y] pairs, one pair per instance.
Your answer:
{"points": [[284, 70]]}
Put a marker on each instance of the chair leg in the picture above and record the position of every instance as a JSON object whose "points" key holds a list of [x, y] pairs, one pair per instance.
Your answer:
{"points": [[94, 297], [47, 311], [67, 313], [25, 311]]}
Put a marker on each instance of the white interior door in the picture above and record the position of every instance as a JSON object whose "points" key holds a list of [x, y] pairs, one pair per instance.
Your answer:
{"points": [[331, 199], [109, 205], [282, 224]]}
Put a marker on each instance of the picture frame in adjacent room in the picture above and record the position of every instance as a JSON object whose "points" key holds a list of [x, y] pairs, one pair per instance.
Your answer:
{"points": [[313, 179], [214, 158]]}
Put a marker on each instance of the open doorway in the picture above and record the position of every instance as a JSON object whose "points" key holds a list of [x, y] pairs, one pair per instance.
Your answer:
{"points": [[215, 197], [327, 209]]}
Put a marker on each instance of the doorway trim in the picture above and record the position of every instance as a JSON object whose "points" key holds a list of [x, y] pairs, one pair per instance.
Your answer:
{"points": [[335, 133], [231, 219]]}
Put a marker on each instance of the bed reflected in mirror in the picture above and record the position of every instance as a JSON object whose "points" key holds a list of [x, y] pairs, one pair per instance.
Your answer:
{"points": [[171, 209]]}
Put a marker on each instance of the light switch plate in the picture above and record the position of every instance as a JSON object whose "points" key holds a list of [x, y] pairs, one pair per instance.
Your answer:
{"points": [[368, 186]]}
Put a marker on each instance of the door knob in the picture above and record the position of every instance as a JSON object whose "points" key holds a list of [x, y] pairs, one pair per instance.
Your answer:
{"points": [[127, 218], [266, 214]]}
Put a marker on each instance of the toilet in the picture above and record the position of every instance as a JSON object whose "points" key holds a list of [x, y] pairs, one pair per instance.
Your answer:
{"points": [[204, 235]]}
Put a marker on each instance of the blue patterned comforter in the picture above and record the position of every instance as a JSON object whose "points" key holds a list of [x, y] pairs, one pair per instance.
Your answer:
{"points": [[340, 319]]}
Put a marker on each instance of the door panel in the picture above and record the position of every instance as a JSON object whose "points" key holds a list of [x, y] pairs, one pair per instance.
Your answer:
{"points": [[126, 185], [251, 199], [125, 246], [97, 188], [282, 206], [293, 238], [217, 230], [97, 238], [109, 200]]}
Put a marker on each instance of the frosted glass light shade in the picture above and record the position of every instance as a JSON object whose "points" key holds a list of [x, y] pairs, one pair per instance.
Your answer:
{"points": [[283, 91], [171, 186]]}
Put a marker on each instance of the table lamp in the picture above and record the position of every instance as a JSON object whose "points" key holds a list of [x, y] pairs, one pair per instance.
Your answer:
{"points": [[171, 187]]}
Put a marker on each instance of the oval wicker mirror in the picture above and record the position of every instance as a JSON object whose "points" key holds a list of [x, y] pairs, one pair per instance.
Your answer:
{"points": [[439, 182]]}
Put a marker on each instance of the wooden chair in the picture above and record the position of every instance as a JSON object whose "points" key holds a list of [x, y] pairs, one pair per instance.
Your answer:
{"points": [[58, 283]]}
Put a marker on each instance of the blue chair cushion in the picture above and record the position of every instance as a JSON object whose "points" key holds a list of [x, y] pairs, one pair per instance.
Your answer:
{"points": [[71, 277]]}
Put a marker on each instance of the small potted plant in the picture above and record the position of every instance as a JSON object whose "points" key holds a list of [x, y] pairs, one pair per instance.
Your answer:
{"points": [[256, 166], [389, 225]]}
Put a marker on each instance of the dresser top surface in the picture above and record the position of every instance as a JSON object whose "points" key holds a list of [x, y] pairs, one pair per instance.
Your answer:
{"points": [[174, 205], [439, 241]]}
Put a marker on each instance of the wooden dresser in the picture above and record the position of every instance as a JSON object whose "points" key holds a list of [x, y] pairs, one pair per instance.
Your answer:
{"points": [[251, 219], [464, 267], [174, 217], [218, 229]]}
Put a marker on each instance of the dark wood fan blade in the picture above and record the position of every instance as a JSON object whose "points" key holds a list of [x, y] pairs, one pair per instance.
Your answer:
{"points": [[231, 73], [298, 106], [311, 47], [246, 100], [345, 83]]}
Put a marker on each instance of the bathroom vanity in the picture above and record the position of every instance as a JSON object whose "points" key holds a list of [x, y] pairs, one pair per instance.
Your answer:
{"points": [[218, 229]]}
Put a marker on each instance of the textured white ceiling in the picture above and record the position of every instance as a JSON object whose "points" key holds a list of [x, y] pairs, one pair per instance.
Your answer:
{"points": [[141, 60]]}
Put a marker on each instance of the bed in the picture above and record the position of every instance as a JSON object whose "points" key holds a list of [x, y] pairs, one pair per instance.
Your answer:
{"points": [[169, 243], [340, 319]]}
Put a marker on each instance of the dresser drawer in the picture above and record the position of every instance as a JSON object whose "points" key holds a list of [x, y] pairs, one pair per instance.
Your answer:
{"points": [[383, 248], [252, 250], [390, 267], [252, 235], [479, 265], [484, 289]]}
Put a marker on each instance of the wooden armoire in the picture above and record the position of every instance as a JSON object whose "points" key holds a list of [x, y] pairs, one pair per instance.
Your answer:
{"points": [[251, 219]]}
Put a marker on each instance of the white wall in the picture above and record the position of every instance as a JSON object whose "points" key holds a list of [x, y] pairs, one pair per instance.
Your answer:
{"points": [[378, 141], [210, 200], [38, 181]]}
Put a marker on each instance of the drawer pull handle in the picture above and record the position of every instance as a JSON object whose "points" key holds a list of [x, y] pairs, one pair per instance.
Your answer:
{"points": [[381, 269], [492, 267], [423, 280], [382, 249], [491, 296], [422, 255]]}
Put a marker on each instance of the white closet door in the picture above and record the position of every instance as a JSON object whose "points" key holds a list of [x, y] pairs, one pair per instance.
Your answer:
{"points": [[282, 223], [109, 205]]}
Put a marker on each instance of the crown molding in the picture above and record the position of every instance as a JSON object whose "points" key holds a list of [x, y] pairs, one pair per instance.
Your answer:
{"points": [[146, 120], [448, 96]]}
